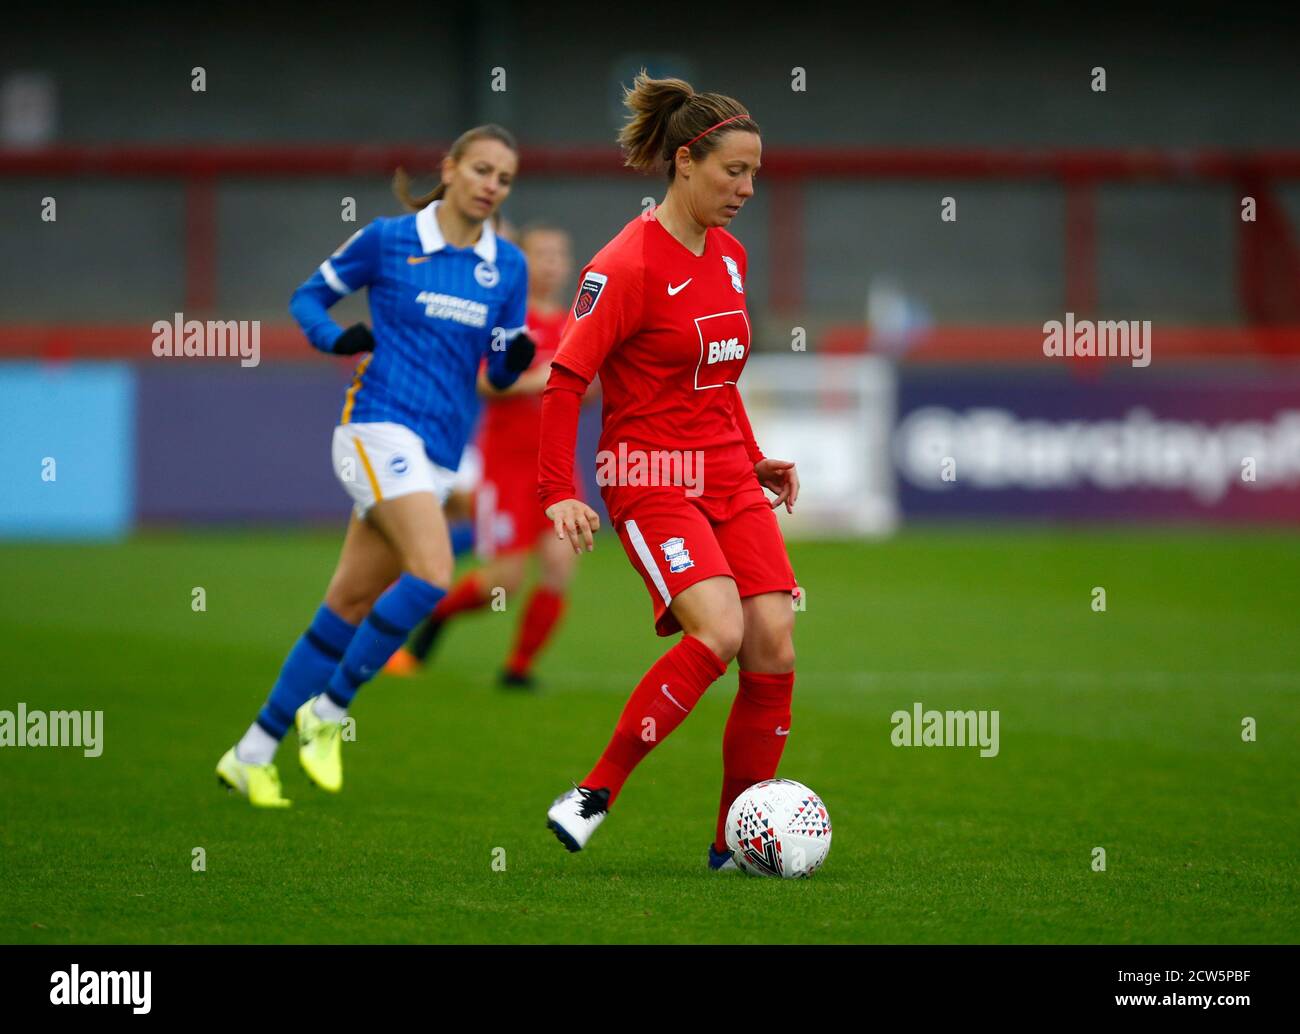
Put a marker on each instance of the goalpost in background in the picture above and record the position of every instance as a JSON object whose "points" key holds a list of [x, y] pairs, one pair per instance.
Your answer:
{"points": [[834, 416]]}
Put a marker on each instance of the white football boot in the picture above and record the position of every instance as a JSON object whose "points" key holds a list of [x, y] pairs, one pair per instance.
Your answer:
{"points": [[575, 815]]}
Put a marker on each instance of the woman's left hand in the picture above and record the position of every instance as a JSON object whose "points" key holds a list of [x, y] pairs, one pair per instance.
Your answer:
{"points": [[780, 478]]}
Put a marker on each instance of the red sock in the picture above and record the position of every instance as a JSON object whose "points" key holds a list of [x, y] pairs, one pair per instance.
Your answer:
{"points": [[663, 697], [755, 736], [544, 609], [466, 594]]}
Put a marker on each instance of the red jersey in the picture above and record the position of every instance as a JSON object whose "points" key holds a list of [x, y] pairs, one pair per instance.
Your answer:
{"points": [[512, 423], [669, 335]]}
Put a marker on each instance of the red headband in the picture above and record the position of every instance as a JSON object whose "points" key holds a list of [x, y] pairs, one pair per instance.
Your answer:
{"points": [[712, 128]]}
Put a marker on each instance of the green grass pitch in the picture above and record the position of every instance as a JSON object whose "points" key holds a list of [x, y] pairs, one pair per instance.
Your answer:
{"points": [[1120, 730]]}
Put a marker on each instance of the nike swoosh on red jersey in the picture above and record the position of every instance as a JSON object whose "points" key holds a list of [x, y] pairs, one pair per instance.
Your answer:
{"points": [[680, 287]]}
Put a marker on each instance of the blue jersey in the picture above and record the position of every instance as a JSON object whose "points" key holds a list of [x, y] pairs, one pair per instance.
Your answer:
{"points": [[436, 312]]}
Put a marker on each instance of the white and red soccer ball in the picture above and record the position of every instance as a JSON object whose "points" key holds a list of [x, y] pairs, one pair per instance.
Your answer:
{"points": [[779, 828]]}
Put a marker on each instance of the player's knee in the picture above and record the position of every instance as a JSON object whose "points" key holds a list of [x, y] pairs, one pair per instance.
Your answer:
{"points": [[509, 583], [556, 562], [780, 645], [779, 655], [434, 570], [723, 635], [769, 645], [353, 614], [556, 583], [509, 574], [555, 575], [350, 604]]}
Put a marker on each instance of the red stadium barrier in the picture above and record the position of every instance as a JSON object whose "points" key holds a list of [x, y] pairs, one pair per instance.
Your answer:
{"points": [[284, 342], [1268, 257], [58, 341]]}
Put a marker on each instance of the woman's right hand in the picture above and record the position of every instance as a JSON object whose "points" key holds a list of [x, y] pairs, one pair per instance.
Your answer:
{"points": [[576, 521]]}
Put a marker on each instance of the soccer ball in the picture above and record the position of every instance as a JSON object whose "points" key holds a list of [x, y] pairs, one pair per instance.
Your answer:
{"points": [[779, 828]]}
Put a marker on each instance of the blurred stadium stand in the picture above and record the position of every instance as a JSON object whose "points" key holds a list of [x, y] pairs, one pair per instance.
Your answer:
{"points": [[1120, 202], [230, 242], [1124, 204]]}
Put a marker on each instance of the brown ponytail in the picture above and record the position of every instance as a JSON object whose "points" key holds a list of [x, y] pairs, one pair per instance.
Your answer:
{"points": [[668, 114], [402, 181]]}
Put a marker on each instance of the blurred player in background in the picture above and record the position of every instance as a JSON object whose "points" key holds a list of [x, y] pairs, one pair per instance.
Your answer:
{"points": [[660, 315], [509, 525], [459, 507], [444, 294]]}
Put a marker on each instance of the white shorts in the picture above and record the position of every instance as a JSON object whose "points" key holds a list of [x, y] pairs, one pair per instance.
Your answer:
{"points": [[381, 461], [470, 471]]}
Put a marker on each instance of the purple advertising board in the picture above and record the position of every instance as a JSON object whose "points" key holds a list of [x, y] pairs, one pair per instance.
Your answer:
{"points": [[233, 445], [1192, 445]]}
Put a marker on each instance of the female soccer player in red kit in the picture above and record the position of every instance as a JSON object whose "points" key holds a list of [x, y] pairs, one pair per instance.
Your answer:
{"points": [[660, 316]]}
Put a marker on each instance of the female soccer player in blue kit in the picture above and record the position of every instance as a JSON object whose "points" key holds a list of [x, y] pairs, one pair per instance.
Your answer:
{"points": [[445, 291]]}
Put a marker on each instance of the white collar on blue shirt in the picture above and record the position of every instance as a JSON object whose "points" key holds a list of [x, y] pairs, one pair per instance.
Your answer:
{"points": [[431, 239]]}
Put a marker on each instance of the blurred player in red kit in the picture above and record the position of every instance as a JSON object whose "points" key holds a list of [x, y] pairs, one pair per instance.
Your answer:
{"points": [[509, 525], [660, 316]]}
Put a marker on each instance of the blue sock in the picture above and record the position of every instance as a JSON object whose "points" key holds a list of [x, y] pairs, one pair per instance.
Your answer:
{"points": [[306, 670], [462, 537], [402, 607]]}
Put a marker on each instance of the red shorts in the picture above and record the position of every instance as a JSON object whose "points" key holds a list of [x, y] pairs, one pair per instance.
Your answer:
{"points": [[507, 515], [675, 540]]}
